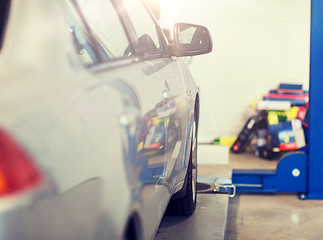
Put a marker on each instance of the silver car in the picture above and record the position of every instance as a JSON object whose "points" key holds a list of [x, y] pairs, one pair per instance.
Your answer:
{"points": [[98, 119]]}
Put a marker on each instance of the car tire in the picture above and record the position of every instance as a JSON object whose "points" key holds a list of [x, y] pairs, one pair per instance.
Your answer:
{"points": [[185, 205]]}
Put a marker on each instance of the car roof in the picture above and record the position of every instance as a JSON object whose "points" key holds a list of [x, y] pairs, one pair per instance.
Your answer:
{"points": [[36, 34]]}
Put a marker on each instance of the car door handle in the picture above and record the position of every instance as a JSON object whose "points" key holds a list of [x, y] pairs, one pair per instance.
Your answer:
{"points": [[160, 181], [129, 117], [166, 92], [166, 95]]}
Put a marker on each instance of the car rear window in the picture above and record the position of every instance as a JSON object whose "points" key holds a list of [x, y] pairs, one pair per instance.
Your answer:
{"points": [[4, 12]]}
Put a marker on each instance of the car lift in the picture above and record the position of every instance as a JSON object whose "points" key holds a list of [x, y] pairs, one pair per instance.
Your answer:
{"points": [[298, 172]]}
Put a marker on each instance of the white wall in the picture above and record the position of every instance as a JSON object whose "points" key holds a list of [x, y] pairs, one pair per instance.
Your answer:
{"points": [[257, 45]]}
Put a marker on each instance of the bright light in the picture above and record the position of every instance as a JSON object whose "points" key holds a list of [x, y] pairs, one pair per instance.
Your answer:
{"points": [[168, 13]]}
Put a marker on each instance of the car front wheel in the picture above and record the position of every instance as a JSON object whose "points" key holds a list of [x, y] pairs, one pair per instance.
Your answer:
{"points": [[186, 204]]}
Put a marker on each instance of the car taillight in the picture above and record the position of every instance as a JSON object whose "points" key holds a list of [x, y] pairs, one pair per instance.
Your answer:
{"points": [[17, 171]]}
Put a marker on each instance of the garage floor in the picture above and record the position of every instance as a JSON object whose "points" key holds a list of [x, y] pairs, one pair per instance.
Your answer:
{"points": [[272, 216]]}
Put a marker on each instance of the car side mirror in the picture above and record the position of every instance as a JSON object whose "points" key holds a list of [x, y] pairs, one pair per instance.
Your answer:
{"points": [[191, 40]]}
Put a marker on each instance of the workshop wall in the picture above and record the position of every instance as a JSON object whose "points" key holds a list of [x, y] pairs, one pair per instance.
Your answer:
{"points": [[257, 45]]}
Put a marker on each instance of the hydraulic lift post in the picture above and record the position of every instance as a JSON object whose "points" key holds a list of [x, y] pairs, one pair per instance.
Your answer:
{"points": [[315, 154]]}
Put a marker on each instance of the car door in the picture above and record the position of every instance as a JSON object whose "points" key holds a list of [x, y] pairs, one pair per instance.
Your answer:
{"points": [[137, 73], [169, 74], [154, 91], [103, 137]]}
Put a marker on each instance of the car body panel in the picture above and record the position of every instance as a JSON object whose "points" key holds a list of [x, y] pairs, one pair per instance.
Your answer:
{"points": [[109, 142]]}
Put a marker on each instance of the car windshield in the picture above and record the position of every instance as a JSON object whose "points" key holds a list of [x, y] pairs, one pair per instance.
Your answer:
{"points": [[4, 10]]}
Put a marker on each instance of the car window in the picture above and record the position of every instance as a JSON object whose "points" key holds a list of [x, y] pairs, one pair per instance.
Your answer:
{"points": [[144, 27], [81, 39], [4, 10], [106, 28]]}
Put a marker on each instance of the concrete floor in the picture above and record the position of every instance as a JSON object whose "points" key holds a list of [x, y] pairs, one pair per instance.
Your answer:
{"points": [[272, 216]]}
